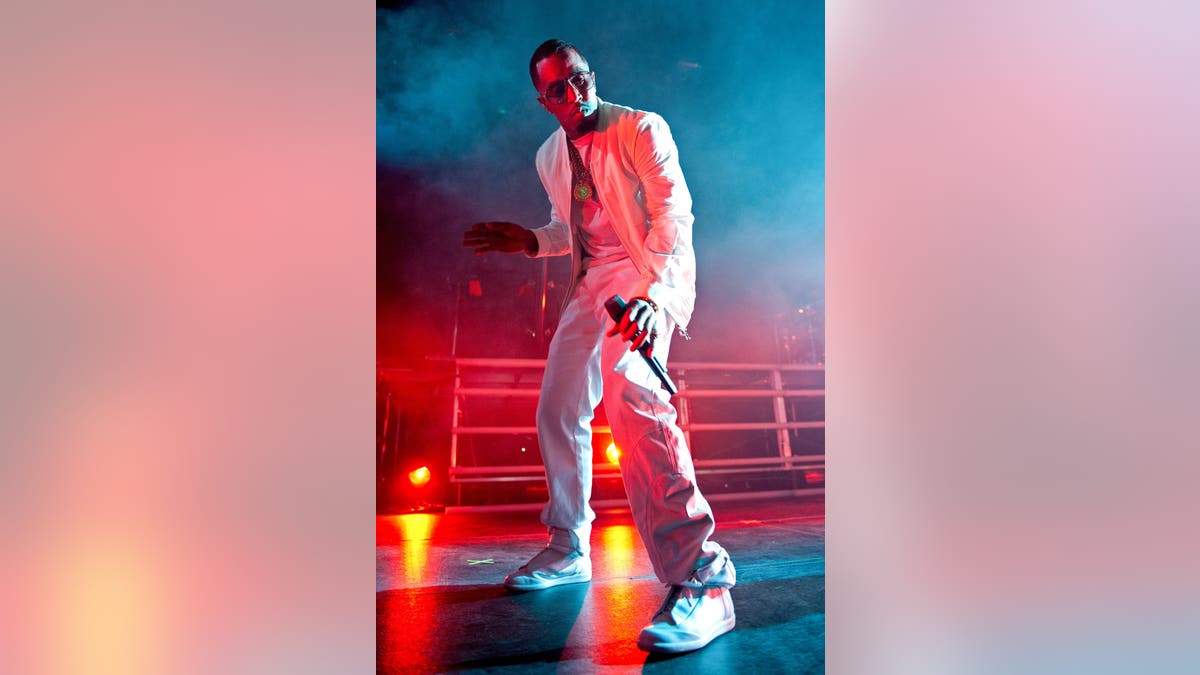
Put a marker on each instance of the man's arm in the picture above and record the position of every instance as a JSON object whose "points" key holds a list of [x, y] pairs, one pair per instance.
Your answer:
{"points": [[670, 273], [668, 243]]}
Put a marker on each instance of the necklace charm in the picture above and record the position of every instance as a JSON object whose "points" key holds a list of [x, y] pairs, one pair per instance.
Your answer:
{"points": [[583, 187]]}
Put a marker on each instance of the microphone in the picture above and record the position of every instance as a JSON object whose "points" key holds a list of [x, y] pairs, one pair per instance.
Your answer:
{"points": [[616, 309]]}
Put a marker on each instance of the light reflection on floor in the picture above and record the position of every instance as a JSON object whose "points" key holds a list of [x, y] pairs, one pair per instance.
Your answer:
{"points": [[441, 606], [416, 532]]}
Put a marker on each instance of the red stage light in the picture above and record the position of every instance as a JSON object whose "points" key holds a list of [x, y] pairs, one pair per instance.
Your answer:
{"points": [[419, 477], [814, 477], [613, 453]]}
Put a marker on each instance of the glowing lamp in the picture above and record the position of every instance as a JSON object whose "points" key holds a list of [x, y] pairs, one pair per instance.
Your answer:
{"points": [[419, 477], [613, 454]]}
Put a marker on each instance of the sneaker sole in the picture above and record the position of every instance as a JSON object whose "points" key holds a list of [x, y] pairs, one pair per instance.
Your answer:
{"points": [[542, 584], [645, 643]]}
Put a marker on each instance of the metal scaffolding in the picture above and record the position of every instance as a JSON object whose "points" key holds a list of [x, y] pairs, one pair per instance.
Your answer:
{"points": [[774, 381]]}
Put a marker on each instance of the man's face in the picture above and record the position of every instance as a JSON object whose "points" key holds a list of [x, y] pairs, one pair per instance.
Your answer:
{"points": [[576, 112]]}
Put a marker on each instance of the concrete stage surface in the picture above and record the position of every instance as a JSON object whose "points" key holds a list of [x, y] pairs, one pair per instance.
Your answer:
{"points": [[441, 606]]}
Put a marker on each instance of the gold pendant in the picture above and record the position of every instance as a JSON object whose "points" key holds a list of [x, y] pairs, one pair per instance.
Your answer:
{"points": [[583, 192]]}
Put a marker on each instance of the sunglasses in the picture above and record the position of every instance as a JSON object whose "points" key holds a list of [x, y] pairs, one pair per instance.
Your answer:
{"points": [[556, 92]]}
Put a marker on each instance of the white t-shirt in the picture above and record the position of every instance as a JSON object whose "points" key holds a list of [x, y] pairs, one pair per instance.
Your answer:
{"points": [[596, 233]]}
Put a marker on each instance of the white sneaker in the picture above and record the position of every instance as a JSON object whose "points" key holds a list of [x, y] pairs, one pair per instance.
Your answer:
{"points": [[551, 568], [688, 619]]}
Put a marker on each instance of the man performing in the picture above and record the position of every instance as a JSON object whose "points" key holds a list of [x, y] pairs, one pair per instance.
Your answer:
{"points": [[619, 205]]}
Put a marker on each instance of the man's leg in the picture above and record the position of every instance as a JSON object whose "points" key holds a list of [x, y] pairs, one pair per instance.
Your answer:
{"points": [[672, 516], [571, 389]]}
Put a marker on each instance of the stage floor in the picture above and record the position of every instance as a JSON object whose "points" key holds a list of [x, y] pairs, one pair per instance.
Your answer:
{"points": [[441, 606]]}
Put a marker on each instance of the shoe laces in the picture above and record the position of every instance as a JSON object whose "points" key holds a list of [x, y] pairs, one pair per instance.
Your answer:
{"points": [[669, 602]]}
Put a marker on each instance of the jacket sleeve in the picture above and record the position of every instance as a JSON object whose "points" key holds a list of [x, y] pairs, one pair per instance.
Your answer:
{"points": [[554, 238], [670, 275]]}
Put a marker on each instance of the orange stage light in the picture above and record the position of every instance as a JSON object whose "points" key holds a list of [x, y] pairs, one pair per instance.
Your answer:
{"points": [[419, 477], [613, 453]]}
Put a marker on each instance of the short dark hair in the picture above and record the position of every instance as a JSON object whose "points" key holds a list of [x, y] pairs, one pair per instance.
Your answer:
{"points": [[550, 48]]}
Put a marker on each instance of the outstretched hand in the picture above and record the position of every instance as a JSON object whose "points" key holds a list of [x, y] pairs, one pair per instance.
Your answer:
{"points": [[502, 237], [639, 325]]}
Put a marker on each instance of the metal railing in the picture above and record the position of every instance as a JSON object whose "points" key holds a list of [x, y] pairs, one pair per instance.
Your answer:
{"points": [[773, 386]]}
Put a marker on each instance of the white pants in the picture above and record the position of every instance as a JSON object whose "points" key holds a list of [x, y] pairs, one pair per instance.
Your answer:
{"points": [[672, 517]]}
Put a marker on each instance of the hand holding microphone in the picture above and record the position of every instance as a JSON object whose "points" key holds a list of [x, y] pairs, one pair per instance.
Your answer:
{"points": [[637, 325]]}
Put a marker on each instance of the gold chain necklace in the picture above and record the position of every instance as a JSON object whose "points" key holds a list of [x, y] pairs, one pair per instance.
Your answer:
{"points": [[584, 187]]}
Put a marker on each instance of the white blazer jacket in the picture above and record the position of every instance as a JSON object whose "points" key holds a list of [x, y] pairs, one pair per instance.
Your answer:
{"points": [[635, 166]]}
